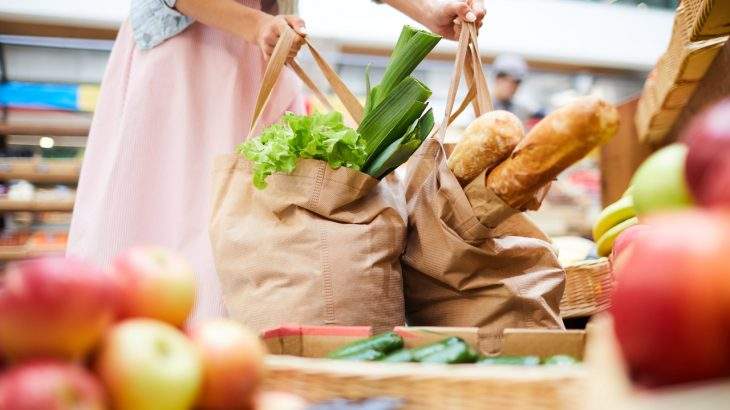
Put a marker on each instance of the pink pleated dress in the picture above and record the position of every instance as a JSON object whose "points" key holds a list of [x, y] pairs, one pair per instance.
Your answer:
{"points": [[163, 115]]}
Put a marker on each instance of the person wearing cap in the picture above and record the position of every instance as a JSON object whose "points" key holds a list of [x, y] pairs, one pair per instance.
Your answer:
{"points": [[509, 70]]}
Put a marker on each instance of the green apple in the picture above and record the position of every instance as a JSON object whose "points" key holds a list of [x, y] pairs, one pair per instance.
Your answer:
{"points": [[659, 183], [150, 365]]}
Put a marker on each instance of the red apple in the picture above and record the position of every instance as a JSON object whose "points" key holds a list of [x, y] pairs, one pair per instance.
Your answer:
{"points": [[671, 305], [50, 385], [623, 243], [157, 283], [54, 307], [232, 364], [708, 159], [146, 364]]}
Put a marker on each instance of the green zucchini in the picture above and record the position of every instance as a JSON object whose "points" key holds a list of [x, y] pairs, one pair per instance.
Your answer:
{"points": [[511, 360], [454, 353], [385, 342], [560, 360], [400, 356], [420, 352], [369, 355]]}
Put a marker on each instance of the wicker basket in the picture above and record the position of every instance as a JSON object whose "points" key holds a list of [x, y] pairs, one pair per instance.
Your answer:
{"points": [[429, 387], [678, 73], [706, 18], [423, 386], [588, 287]]}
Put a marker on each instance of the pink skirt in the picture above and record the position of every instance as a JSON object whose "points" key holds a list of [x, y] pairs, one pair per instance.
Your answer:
{"points": [[163, 115]]}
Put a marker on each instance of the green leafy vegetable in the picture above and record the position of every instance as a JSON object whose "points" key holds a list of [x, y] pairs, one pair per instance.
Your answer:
{"points": [[412, 47], [394, 111], [317, 136], [399, 151]]}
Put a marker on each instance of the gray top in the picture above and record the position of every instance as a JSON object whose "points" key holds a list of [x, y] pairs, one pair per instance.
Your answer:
{"points": [[154, 21]]}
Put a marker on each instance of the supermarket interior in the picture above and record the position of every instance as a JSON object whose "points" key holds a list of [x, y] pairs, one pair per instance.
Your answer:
{"points": [[267, 195]]}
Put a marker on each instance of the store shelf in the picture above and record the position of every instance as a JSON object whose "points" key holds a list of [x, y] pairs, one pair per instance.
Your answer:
{"points": [[45, 123], [41, 171], [9, 205], [12, 253]]}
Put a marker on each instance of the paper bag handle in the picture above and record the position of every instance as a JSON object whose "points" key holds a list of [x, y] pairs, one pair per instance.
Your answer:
{"points": [[276, 65], [468, 62]]}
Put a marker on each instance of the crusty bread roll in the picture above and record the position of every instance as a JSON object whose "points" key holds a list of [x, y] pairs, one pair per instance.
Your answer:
{"points": [[487, 141], [555, 143]]}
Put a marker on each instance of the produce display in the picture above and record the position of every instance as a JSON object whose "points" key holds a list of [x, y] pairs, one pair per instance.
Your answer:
{"points": [[148, 364], [708, 159], [678, 270], [395, 123], [75, 336], [657, 186], [674, 178], [155, 283], [613, 220], [659, 183], [51, 384], [622, 243], [671, 304], [54, 307], [388, 347]]}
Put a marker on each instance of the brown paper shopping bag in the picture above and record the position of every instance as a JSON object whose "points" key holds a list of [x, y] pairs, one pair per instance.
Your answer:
{"points": [[470, 259], [316, 247]]}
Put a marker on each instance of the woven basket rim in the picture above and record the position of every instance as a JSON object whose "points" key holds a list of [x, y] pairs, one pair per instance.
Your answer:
{"points": [[422, 371], [587, 262]]}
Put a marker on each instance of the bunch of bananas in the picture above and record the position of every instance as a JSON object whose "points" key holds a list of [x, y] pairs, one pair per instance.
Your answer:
{"points": [[613, 220]]}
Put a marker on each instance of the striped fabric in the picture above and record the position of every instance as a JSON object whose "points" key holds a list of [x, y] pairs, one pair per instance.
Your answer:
{"points": [[163, 115]]}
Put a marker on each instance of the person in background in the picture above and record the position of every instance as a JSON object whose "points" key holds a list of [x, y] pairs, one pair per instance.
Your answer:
{"points": [[509, 71], [179, 90], [534, 118]]}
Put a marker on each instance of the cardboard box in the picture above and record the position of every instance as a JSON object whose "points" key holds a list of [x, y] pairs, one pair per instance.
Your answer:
{"points": [[318, 341], [312, 341], [423, 335]]}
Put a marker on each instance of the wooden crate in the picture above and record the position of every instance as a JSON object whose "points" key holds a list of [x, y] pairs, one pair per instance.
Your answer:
{"points": [[609, 387]]}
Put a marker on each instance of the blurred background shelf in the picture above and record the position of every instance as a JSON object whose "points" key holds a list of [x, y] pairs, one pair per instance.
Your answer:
{"points": [[10, 205], [41, 171], [51, 123], [11, 253]]}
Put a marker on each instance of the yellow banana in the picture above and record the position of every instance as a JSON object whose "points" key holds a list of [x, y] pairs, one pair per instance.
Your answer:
{"points": [[605, 244], [628, 191], [614, 214]]}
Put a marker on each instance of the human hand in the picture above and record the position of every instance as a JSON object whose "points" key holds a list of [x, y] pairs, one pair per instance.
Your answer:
{"points": [[446, 16], [270, 28]]}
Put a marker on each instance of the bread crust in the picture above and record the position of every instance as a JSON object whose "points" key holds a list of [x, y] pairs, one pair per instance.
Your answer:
{"points": [[555, 143], [487, 141]]}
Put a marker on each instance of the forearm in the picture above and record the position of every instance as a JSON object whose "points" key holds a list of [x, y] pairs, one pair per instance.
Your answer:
{"points": [[419, 10], [227, 15]]}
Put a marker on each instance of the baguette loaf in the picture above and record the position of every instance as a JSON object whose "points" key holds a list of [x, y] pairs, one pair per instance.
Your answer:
{"points": [[555, 143], [487, 141]]}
